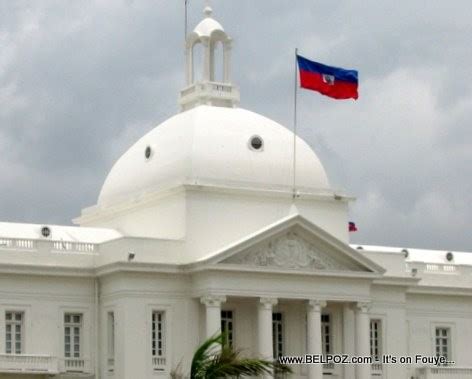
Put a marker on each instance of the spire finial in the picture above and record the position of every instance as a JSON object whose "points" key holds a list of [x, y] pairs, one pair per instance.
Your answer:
{"points": [[207, 11]]}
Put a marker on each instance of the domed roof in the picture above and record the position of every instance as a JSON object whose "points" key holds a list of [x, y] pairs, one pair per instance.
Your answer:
{"points": [[208, 25], [212, 145]]}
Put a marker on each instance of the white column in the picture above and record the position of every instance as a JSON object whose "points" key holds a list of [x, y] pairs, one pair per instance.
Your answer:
{"points": [[314, 308], [265, 347], [362, 339], [349, 338], [227, 62], [213, 314], [212, 46], [206, 59]]}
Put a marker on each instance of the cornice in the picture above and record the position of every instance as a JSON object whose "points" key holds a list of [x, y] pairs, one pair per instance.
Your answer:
{"points": [[65, 271], [236, 268], [138, 267], [397, 281], [287, 295], [434, 290], [144, 200]]}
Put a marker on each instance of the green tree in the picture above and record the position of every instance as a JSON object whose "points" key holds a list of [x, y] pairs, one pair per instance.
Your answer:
{"points": [[214, 360]]}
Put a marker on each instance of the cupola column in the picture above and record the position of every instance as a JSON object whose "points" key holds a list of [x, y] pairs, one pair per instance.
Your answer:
{"points": [[207, 60], [227, 62]]}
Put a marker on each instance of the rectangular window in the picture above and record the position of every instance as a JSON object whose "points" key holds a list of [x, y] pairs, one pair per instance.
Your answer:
{"points": [[158, 334], [72, 335], [326, 338], [227, 327], [277, 334], [14, 332], [111, 338], [443, 342], [376, 340]]}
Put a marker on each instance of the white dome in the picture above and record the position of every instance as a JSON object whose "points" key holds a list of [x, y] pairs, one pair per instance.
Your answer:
{"points": [[211, 145], [208, 25]]}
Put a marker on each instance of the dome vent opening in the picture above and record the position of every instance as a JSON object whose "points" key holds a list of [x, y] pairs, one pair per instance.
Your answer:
{"points": [[256, 143], [148, 152], [45, 231]]}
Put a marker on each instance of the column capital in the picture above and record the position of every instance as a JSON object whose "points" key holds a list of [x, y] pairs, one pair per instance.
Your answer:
{"points": [[205, 40], [363, 306], [268, 302], [228, 44], [315, 305], [213, 300]]}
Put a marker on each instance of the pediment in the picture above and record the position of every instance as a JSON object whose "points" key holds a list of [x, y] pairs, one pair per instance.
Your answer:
{"points": [[295, 244], [289, 251], [292, 251]]}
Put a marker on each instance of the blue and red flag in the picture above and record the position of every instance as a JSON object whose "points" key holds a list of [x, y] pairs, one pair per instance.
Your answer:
{"points": [[352, 226], [334, 82]]}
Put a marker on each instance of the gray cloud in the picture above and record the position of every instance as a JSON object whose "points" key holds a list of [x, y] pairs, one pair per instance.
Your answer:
{"points": [[81, 81]]}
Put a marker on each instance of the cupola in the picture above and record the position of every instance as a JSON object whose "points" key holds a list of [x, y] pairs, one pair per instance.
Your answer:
{"points": [[206, 88]]}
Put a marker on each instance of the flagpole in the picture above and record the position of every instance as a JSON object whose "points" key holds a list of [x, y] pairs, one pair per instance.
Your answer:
{"points": [[295, 93], [186, 20]]}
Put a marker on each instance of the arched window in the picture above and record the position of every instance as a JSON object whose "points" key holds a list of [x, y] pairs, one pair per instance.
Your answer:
{"points": [[217, 69], [198, 53]]}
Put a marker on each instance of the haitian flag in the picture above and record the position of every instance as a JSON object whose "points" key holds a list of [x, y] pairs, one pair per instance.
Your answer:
{"points": [[352, 226], [334, 82]]}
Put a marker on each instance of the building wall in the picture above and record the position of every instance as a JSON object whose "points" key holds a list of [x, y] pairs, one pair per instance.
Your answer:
{"points": [[191, 215], [408, 319], [133, 298], [163, 217], [242, 215], [44, 301], [425, 312], [389, 306]]}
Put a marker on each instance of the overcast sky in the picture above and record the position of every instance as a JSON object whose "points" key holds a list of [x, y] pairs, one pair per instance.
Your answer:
{"points": [[80, 81]]}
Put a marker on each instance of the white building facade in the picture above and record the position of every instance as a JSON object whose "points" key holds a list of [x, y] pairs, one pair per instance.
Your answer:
{"points": [[201, 227]]}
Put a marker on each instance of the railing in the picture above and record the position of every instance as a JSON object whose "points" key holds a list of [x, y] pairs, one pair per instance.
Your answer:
{"points": [[328, 368], [26, 363], [376, 369], [74, 246], [187, 91], [111, 364], [445, 372], [14, 243], [221, 89], [75, 365], [57, 246], [159, 363], [440, 268]]}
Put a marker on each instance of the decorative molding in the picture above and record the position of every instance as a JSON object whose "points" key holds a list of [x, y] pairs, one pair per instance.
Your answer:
{"points": [[288, 251], [316, 305], [213, 300], [363, 306], [268, 302]]}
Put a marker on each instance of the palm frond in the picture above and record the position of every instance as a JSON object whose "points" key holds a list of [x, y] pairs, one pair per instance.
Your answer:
{"points": [[202, 357], [225, 362]]}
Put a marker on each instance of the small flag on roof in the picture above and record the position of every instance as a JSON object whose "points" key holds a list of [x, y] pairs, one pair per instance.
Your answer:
{"points": [[352, 227], [335, 82]]}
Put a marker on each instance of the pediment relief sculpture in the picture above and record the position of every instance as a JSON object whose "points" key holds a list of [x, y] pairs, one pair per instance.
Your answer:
{"points": [[289, 251]]}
